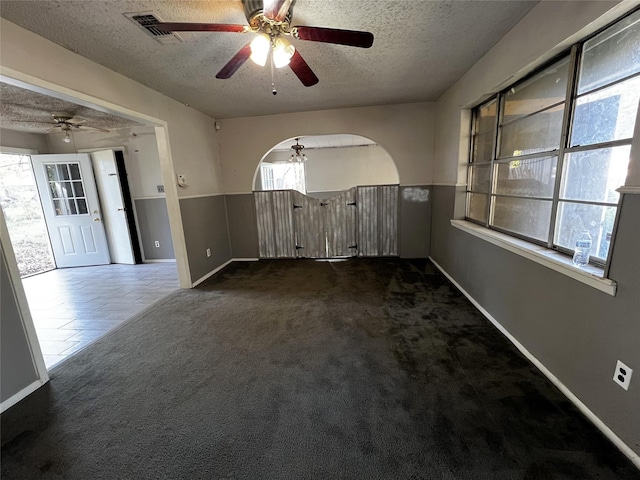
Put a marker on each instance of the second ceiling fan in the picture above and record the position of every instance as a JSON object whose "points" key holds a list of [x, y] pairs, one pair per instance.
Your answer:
{"points": [[271, 21]]}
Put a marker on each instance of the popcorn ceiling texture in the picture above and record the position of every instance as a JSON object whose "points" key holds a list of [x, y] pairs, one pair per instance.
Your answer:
{"points": [[421, 48]]}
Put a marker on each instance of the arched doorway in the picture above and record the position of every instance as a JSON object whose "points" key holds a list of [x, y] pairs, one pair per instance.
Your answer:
{"points": [[325, 197]]}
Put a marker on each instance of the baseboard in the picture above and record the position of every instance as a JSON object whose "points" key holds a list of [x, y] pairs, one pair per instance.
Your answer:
{"points": [[159, 260], [216, 270], [592, 417], [25, 392]]}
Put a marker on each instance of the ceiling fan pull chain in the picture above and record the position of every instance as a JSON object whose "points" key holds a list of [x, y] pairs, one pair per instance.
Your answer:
{"points": [[273, 82]]}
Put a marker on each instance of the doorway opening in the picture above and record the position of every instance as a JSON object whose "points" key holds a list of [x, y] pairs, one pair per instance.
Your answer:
{"points": [[23, 213]]}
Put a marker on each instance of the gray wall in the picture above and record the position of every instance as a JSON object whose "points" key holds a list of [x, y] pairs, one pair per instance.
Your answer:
{"points": [[414, 224], [205, 225], [17, 370], [153, 223], [243, 231], [576, 331]]}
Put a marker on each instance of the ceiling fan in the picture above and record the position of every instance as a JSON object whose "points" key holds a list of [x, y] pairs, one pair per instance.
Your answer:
{"points": [[67, 124], [271, 21]]}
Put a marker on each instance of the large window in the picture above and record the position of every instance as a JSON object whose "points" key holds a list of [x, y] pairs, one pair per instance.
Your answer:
{"points": [[549, 151]]}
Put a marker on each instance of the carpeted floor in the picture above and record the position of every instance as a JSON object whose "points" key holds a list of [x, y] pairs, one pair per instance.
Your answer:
{"points": [[359, 369]]}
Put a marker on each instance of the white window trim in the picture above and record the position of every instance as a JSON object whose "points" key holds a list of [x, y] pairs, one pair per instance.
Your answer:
{"points": [[590, 275]]}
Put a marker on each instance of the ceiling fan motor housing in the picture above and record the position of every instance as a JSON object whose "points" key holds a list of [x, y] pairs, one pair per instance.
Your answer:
{"points": [[253, 9]]}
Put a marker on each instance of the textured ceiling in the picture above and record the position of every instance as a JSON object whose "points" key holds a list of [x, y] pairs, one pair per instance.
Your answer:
{"points": [[421, 48], [28, 111]]}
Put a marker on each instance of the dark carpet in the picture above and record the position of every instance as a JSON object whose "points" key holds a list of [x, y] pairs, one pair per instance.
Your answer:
{"points": [[359, 369]]}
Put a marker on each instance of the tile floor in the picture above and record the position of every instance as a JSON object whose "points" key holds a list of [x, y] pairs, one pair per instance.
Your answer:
{"points": [[72, 307]]}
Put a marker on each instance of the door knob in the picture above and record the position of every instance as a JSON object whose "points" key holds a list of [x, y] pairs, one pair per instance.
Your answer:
{"points": [[121, 209]]}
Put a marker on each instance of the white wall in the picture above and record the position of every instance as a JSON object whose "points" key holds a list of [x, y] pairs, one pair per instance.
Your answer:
{"points": [[548, 29], [337, 169], [404, 131], [141, 157], [27, 140]]}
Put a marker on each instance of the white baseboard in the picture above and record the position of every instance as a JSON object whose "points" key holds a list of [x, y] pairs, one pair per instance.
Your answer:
{"points": [[26, 391], [623, 447], [213, 272], [160, 260]]}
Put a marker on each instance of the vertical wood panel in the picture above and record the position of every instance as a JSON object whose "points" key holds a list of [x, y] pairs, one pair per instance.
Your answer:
{"points": [[388, 220], [328, 228], [308, 227], [368, 221], [339, 222], [266, 231]]}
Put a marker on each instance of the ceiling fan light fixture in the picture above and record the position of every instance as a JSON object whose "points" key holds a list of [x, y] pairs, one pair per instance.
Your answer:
{"points": [[260, 49], [282, 52], [297, 157]]}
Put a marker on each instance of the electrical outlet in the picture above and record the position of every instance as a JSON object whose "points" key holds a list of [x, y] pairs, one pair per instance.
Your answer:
{"points": [[208, 252], [160, 188], [157, 244], [622, 375]]}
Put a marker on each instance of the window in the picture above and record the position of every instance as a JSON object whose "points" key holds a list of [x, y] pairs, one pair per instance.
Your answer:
{"points": [[283, 176], [549, 152]]}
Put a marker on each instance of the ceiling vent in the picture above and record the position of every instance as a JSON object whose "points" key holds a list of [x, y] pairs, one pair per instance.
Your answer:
{"points": [[147, 21]]}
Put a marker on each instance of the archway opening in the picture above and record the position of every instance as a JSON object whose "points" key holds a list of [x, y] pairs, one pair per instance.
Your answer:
{"points": [[334, 163]]}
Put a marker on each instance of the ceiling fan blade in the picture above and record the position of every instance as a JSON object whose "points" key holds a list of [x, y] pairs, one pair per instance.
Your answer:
{"points": [[353, 38], [235, 63], [277, 10], [53, 129], [302, 70], [95, 129], [199, 27]]}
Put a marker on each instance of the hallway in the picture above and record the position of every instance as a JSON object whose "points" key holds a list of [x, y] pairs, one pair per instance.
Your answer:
{"points": [[72, 307]]}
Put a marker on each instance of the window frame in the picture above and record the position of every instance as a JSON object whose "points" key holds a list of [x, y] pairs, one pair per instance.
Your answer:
{"points": [[571, 98]]}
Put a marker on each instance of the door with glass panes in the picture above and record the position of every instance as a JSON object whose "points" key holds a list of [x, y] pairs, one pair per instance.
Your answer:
{"points": [[71, 209]]}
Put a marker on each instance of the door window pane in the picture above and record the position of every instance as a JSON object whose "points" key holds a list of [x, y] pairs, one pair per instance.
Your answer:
{"points": [[477, 207], [480, 178], [573, 218], [537, 133], [82, 206], [532, 177], [612, 55], [75, 171], [547, 88], [68, 197], [594, 175], [606, 115], [63, 171], [52, 173], [78, 191], [530, 218]]}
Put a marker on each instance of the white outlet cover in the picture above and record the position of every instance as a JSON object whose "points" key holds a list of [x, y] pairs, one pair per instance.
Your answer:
{"points": [[622, 375]]}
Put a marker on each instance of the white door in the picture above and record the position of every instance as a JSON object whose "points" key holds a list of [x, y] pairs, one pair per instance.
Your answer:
{"points": [[71, 209], [113, 213]]}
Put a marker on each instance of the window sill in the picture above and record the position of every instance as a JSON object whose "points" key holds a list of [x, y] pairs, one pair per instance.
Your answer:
{"points": [[590, 275]]}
